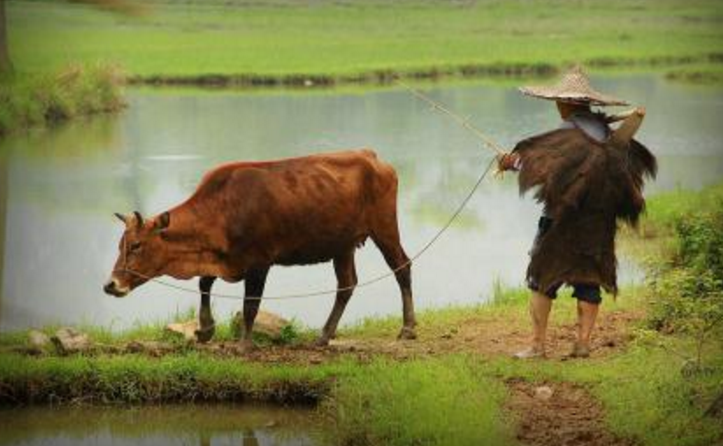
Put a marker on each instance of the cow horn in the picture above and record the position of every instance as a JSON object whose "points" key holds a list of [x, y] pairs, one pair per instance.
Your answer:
{"points": [[139, 218], [120, 217]]}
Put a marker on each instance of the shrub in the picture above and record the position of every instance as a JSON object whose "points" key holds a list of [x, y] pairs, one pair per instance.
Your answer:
{"points": [[50, 98], [688, 291]]}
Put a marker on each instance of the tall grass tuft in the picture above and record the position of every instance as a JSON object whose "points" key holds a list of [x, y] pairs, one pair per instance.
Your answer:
{"points": [[76, 90]]}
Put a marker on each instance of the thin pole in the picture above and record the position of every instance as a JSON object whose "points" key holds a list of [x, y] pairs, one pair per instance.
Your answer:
{"points": [[464, 122]]}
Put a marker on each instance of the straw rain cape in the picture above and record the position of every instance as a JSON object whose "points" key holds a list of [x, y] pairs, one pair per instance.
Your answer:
{"points": [[586, 187]]}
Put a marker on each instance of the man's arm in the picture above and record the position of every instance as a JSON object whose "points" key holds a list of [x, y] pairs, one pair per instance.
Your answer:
{"points": [[630, 125]]}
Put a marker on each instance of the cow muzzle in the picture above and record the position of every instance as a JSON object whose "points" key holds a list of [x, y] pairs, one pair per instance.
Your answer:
{"points": [[114, 289]]}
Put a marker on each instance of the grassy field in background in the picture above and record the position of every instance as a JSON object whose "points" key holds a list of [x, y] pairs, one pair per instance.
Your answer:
{"points": [[365, 39]]}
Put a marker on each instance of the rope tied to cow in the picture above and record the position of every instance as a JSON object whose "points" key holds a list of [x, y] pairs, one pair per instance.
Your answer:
{"points": [[463, 204]]}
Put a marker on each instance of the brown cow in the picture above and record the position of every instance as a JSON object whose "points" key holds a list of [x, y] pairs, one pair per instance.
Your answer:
{"points": [[245, 217]]}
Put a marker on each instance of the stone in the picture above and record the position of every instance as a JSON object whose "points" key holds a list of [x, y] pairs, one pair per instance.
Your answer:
{"points": [[186, 329], [266, 323], [38, 340], [68, 340], [543, 393]]}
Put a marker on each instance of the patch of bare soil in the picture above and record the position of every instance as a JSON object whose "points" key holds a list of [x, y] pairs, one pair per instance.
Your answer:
{"points": [[481, 335], [559, 414]]}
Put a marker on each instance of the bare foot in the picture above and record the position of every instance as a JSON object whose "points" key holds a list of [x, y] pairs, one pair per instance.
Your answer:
{"points": [[530, 353]]}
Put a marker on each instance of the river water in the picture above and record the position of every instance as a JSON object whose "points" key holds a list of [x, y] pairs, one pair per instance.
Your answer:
{"points": [[60, 187], [168, 425]]}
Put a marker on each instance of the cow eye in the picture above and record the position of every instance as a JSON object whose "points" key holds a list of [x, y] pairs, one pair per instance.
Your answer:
{"points": [[135, 246]]}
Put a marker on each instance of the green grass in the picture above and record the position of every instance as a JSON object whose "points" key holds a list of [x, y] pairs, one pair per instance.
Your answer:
{"points": [[360, 39], [141, 379], [664, 209], [441, 401], [643, 391], [49, 98]]}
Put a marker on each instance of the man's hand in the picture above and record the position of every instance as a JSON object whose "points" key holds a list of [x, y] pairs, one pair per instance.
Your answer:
{"points": [[507, 161]]}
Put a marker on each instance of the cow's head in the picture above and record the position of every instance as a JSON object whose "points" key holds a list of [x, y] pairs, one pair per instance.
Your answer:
{"points": [[142, 254]]}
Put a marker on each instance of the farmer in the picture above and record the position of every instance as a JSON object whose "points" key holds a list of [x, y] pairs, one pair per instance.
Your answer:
{"points": [[588, 177]]}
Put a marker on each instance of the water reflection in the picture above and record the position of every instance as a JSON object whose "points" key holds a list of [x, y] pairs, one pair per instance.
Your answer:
{"points": [[61, 187], [247, 425]]}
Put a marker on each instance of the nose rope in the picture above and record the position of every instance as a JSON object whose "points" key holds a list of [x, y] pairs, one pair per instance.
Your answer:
{"points": [[379, 278]]}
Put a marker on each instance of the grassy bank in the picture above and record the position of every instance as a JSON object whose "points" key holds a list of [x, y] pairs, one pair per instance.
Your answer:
{"points": [[698, 74], [31, 100], [450, 386], [448, 400], [243, 42]]}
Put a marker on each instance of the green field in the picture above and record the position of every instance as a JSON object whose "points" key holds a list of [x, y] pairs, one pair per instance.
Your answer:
{"points": [[364, 40]]}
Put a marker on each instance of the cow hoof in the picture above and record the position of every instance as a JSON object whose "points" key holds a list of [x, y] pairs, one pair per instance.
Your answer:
{"points": [[205, 334], [407, 333]]}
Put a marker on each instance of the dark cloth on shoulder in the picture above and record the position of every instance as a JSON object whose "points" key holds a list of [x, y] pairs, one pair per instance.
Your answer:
{"points": [[586, 186]]}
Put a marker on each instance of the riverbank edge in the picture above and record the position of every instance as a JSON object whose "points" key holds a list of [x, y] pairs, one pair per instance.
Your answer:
{"points": [[431, 73], [51, 98]]}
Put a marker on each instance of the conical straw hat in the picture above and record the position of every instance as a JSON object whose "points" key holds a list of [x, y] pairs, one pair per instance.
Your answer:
{"points": [[573, 87]]}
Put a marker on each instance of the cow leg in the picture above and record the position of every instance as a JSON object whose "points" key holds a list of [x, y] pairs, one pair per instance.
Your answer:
{"points": [[207, 325], [255, 282], [346, 279], [388, 243]]}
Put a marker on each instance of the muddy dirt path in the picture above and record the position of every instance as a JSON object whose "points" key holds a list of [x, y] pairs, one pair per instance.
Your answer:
{"points": [[561, 414], [482, 335]]}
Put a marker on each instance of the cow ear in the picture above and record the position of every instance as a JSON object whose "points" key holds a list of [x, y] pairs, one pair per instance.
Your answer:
{"points": [[139, 219], [163, 221], [120, 217]]}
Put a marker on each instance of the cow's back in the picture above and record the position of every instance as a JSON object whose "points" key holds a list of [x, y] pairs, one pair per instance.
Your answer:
{"points": [[299, 210]]}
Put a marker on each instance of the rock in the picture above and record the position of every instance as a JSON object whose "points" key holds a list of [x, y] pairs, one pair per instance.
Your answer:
{"points": [[543, 393], [266, 323], [69, 340], [186, 329], [38, 340]]}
